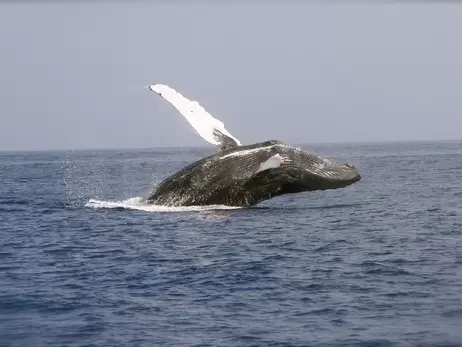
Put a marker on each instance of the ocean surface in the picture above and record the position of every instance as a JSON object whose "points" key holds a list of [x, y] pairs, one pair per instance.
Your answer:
{"points": [[84, 263]]}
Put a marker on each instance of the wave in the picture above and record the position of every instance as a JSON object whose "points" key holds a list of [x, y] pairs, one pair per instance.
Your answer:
{"points": [[138, 203]]}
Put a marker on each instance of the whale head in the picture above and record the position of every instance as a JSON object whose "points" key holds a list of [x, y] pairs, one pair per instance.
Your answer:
{"points": [[287, 169]]}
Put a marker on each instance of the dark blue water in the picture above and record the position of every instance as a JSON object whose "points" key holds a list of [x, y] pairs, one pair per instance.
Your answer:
{"points": [[378, 263]]}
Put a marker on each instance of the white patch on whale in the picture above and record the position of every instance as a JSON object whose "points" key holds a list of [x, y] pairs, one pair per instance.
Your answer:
{"points": [[272, 163], [247, 152], [319, 166], [195, 114]]}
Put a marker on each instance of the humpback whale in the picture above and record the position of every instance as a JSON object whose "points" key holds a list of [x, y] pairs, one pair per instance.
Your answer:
{"points": [[242, 175]]}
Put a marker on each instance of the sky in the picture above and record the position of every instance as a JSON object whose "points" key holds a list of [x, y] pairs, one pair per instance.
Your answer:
{"points": [[75, 75]]}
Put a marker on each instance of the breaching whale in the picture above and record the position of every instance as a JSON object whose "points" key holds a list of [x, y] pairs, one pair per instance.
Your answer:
{"points": [[242, 175]]}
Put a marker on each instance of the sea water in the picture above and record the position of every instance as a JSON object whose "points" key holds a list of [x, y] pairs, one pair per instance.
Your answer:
{"points": [[83, 261]]}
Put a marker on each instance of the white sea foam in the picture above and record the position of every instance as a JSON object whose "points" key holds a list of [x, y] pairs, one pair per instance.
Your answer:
{"points": [[137, 203]]}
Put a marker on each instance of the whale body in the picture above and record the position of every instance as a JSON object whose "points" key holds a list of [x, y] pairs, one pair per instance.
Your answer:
{"points": [[243, 175]]}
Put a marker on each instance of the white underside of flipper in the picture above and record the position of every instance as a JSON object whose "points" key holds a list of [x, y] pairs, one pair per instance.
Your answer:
{"points": [[209, 128]]}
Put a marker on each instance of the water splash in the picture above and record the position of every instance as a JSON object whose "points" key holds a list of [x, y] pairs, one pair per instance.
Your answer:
{"points": [[138, 203]]}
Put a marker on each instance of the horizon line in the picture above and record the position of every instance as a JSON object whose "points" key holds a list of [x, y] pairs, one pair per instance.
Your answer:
{"points": [[205, 146]]}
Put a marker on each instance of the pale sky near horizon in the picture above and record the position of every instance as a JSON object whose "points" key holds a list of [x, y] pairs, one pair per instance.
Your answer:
{"points": [[76, 75]]}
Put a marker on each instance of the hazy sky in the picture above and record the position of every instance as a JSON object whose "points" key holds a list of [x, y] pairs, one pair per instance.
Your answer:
{"points": [[76, 75]]}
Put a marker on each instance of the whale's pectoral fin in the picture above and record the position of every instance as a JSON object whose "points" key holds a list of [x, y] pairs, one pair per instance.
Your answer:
{"points": [[210, 129], [224, 141]]}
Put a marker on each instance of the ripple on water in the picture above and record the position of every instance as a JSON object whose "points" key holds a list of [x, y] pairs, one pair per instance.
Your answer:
{"points": [[375, 264]]}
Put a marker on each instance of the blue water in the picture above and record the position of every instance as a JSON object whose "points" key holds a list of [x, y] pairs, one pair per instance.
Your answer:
{"points": [[379, 263]]}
